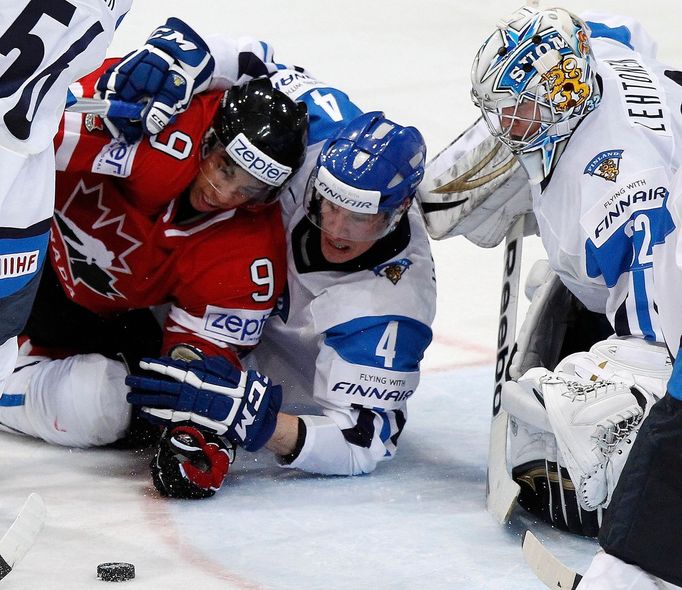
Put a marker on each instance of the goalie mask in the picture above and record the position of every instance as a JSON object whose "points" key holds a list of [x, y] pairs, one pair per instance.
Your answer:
{"points": [[533, 80], [365, 179]]}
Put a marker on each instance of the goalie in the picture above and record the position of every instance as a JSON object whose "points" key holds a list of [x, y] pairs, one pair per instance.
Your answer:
{"points": [[590, 362], [578, 396]]}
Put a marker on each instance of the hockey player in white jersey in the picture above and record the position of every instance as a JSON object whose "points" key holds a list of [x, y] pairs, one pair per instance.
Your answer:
{"points": [[46, 45], [593, 119], [348, 337], [641, 526], [356, 317]]}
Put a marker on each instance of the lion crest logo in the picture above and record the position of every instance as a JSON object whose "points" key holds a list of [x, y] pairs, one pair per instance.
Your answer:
{"points": [[605, 164], [566, 88], [393, 270]]}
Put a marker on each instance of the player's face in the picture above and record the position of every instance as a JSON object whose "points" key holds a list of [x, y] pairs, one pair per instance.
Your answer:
{"points": [[521, 121], [338, 224], [223, 185]]}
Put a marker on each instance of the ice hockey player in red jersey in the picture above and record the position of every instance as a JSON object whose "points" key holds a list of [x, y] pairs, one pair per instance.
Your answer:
{"points": [[187, 218]]}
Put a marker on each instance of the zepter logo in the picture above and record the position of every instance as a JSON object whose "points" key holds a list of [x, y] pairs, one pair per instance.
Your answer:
{"points": [[256, 162]]}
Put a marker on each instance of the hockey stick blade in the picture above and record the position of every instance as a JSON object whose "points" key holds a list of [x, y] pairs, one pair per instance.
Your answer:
{"points": [[551, 572], [502, 489], [22, 534]]}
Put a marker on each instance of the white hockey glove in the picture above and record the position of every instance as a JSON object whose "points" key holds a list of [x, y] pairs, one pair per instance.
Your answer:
{"points": [[595, 424], [173, 65], [476, 188]]}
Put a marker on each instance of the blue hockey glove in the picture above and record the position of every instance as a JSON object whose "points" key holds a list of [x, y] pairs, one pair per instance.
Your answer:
{"points": [[166, 72], [189, 463], [209, 392]]}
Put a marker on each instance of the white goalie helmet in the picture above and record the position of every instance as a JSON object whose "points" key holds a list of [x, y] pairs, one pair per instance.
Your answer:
{"points": [[534, 80]]}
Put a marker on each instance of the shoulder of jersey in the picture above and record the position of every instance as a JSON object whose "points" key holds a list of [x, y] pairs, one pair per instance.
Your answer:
{"points": [[329, 109]]}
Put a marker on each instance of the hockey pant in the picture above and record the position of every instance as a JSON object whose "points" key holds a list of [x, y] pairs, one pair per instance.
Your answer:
{"points": [[79, 401], [24, 233], [644, 521]]}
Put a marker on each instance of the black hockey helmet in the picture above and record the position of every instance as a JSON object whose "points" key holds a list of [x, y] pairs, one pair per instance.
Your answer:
{"points": [[268, 119]]}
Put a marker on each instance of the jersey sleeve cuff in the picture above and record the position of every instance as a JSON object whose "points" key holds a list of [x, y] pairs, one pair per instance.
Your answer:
{"points": [[285, 460]]}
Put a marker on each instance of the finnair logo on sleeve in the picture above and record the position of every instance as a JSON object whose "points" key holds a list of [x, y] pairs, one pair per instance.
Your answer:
{"points": [[256, 162], [346, 196]]}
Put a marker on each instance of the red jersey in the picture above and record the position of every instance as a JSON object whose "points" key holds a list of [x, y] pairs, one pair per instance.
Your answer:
{"points": [[117, 242]]}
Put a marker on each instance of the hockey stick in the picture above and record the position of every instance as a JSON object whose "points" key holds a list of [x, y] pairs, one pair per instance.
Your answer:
{"points": [[107, 108], [22, 534], [501, 489], [551, 572]]}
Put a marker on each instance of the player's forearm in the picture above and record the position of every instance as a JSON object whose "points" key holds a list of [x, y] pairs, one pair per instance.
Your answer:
{"points": [[283, 440]]}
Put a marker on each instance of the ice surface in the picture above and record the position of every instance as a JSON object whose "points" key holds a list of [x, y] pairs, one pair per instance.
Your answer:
{"points": [[418, 522]]}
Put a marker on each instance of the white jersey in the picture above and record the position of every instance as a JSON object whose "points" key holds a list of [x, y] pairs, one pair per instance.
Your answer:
{"points": [[45, 45], [347, 339], [600, 212], [667, 272]]}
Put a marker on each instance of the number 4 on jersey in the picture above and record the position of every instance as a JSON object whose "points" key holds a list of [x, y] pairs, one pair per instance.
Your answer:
{"points": [[387, 344], [328, 104]]}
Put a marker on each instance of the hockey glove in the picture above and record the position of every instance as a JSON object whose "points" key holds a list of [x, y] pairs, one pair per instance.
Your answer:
{"points": [[211, 393], [166, 72], [190, 464]]}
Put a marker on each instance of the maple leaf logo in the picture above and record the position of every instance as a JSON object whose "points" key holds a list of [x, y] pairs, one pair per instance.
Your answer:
{"points": [[95, 242]]}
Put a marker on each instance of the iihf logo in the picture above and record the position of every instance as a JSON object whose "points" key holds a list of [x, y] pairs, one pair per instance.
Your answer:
{"points": [[605, 164], [393, 270]]}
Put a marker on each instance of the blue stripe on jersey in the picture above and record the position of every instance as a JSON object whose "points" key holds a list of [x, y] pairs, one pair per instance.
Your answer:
{"points": [[385, 427], [358, 341], [675, 383], [20, 259], [642, 304], [329, 111], [12, 400], [15, 309], [621, 34], [267, 54], [630, 250]]}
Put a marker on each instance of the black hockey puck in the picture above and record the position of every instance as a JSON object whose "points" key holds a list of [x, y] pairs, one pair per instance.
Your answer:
{"points": [[115, 572]]}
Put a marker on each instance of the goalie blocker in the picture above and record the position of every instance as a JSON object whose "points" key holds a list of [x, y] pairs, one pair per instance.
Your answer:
{"points": [[475, 188], [575, 402]]}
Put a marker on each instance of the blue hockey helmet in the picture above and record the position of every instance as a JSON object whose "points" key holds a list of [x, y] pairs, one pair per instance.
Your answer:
{"points": [[369, 171]]}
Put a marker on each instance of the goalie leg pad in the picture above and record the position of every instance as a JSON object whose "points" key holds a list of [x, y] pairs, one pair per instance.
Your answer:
{"points": [[79, 401], [546, 487], [635, 362]]}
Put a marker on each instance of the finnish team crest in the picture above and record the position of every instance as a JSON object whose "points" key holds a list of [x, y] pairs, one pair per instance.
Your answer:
{"points": [[393, 270], [605, 165]]}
